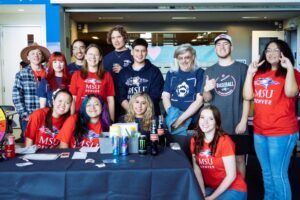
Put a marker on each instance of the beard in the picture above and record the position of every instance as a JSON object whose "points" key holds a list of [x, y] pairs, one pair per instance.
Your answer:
{"points": [[224, 56]]}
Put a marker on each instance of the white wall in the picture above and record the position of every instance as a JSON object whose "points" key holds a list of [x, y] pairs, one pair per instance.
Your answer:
{"points": [[20, 19]]}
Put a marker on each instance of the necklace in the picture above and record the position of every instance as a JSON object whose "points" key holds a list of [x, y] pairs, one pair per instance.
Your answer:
{"points": [[119, 53]]}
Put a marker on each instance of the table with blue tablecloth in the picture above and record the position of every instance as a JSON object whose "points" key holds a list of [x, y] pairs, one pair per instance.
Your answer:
{"points": [[166, 176]]}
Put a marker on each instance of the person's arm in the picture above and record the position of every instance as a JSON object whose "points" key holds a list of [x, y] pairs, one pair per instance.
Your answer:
{"points": [[63, 145], [290, 86], [248, 93], [192, 109], [111, 107], [156, 86], [28, 142], [210, 84], [241, 127], [166, 99], [125, 104], [43, 102], [73, 105], [18, 97], [230, 169], [198, 175]]}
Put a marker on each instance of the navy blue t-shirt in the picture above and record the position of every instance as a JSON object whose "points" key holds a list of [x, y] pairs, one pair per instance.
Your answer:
{"points": [[44, 90], [73, 67], [183, 87]]}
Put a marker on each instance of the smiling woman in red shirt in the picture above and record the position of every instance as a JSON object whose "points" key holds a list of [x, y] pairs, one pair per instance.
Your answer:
{"points": [[45, 123], [214, 159], [84, 129], [93, 79]]}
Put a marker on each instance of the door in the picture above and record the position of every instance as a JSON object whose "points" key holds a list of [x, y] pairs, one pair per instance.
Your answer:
{"points": [[13, 40], [260, 39]]}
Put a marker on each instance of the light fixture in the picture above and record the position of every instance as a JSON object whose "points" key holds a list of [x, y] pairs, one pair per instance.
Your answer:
{"points": [[20, 10], [95, 37], [194, 40], [250, 17], [111, 18], [184, 18]]}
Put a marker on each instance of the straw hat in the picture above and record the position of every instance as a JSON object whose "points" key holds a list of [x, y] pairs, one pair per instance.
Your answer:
{"points": [[33, 46]]}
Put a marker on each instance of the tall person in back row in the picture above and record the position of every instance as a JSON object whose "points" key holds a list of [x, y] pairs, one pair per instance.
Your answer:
{"points": [[119, 58], [223, 87]]}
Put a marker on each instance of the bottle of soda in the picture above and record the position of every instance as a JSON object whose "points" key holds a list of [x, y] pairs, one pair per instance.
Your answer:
{"points": [[153, 139], [161, 132], [9, 148]]}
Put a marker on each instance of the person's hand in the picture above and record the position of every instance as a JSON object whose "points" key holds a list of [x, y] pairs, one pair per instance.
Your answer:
{"points": [[285, 62], [241, 128], [253, 67], [116, 68], [208, 198], [210, 84], [177, 123]]}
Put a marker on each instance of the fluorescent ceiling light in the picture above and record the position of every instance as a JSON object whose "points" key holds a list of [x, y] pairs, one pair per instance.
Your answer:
{"points": [[110, 18], [95, 37], [146, 35], [184, 18], [21, 10], [250, 17]]}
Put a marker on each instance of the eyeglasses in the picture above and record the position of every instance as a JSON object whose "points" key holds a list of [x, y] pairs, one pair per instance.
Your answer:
{"points": [[184, 58], [272, 51], [78, 48]]}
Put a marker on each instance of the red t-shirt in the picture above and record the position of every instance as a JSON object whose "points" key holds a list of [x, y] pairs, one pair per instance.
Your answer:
{"points": [[274, 112], [41, 135], [212, 167], [91, 85], [66, 134]]}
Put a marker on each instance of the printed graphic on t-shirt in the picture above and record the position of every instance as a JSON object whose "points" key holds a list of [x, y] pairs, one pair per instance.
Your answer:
{"points": [[92, 140], [225, 85], [92, 86], [182, 89], [126, 63], [264, 95], [47, 138], [136, 84], [205, 159]]}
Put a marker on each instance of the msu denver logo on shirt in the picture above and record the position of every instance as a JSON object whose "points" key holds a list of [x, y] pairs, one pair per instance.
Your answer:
{"points": [[265, 82], [135, 81]]}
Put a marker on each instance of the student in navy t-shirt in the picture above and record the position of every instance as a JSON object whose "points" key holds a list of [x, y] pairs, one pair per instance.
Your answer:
{"points": [[141, 76], [118, 59], [182, 91], [57, 78], [78, 48]]}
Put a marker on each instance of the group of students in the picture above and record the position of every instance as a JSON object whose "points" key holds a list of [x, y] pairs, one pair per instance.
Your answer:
{"points": [[79, 101]]}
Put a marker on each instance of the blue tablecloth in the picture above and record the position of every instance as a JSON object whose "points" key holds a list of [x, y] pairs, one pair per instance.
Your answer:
{"points": [[168, 176]]}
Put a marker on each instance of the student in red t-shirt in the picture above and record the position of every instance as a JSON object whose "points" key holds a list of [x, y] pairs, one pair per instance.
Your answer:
{"points": [[214, 159], [84, 128], [274, 85], [93, 79], [45, 123]]}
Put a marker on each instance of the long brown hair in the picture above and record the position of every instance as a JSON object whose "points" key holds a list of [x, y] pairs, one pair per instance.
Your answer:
{"points": [[100, 71], [199, 137]]}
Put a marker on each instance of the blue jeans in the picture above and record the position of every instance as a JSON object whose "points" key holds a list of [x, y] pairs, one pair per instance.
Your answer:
{"points": [[274, 154], [228, 194]]}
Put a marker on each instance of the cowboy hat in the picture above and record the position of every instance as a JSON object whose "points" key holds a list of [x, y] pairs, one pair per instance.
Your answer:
{"points": [[33, 46]]}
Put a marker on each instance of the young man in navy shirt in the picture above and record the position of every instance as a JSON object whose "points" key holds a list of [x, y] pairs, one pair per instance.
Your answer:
{"points": [[78, 51], [141, 76]]}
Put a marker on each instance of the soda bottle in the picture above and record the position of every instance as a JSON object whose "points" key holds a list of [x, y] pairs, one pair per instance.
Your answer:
{"points": [[161, 132], [9, 148], [153, 139]]}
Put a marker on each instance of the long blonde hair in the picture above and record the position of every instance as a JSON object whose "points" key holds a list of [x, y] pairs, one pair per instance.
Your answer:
{"points": [[148, 115]]}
